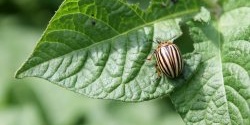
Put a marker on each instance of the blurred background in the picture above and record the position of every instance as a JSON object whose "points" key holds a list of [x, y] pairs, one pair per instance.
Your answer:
{"points": [[33, 101]]}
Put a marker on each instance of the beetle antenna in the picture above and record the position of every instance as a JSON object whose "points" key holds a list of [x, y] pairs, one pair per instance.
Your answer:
{"points": [[158, 40], [173, 38], [155, 41]]}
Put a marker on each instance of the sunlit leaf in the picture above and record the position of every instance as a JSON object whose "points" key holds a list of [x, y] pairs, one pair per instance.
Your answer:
{"points": [[99, 48], [219, 92]]}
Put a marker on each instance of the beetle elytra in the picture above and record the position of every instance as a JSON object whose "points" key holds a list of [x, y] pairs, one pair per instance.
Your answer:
{"points": [[168, 59]]}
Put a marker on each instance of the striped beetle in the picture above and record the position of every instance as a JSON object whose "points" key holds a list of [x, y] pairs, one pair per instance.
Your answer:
{"points": [[168, 59]]}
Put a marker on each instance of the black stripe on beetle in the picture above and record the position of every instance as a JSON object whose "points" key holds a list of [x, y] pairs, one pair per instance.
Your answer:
{"points": [[168, 59]]}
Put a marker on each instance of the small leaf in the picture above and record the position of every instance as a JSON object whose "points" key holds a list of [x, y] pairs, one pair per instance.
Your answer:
{"points": [[99, 48], [219, 92], [203, 16]]}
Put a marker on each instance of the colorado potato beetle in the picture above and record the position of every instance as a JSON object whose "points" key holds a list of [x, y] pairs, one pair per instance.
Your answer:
{"points": [[168, 59]]}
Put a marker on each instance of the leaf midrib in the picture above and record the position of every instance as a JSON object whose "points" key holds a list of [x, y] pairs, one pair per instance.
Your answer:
{"points": [[217, 25]]}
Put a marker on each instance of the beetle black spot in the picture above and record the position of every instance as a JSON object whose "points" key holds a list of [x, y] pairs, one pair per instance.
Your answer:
{"points": [[92, 15], [174, 1], [93, 23]]}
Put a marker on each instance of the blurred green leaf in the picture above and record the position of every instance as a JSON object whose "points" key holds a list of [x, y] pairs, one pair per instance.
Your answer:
{"points": [[228, 5], [37, 13], [25, 115], [99, 48], [219, 92]]}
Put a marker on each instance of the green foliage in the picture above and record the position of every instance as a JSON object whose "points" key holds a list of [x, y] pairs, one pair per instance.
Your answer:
{"points": [[37, 13], [99, 48], [219, 92]]}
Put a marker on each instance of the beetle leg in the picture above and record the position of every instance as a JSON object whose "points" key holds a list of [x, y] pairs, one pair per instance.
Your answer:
{"points": [[158, 71], [150, 56]]}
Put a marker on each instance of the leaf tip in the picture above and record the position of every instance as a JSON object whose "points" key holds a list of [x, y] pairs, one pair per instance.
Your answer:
{"points": [[18, 74]]}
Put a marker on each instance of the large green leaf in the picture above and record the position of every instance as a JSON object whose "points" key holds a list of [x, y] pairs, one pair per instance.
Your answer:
{"points": [[219, 92], [233, 4], [99, 48]]}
